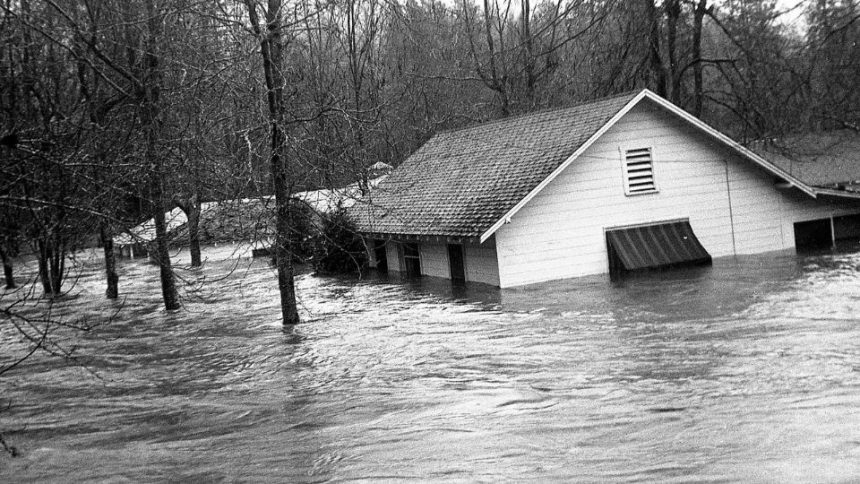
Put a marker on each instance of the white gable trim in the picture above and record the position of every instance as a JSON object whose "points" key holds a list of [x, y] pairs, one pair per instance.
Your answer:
{"points": [[590, 141], [740, 149], [703, 127]]}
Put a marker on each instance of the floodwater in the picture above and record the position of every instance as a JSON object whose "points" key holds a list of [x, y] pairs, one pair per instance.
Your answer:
{"points": [[745, 371]]}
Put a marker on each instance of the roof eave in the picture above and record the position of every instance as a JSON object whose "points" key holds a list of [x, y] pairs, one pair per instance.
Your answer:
{"points": [[832, 192]]}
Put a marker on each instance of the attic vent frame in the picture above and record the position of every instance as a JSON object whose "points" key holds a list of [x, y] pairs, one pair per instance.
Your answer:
{"points": [[638, 168]]}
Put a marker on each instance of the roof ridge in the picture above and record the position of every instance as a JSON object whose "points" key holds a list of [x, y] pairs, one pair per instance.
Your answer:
{"points": [[515, 117]]}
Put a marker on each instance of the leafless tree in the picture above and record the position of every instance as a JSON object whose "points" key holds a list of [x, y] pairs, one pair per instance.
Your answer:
{"points": [[271, 38]]}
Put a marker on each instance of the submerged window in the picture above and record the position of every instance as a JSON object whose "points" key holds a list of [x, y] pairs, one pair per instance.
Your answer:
{"points": [[639, 172]]}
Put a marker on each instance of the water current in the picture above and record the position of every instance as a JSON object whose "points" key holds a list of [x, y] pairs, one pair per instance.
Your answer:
{"points": [[748, 370]]}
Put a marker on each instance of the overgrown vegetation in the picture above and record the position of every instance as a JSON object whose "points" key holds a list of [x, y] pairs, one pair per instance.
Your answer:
{"points": [[337, 246]]}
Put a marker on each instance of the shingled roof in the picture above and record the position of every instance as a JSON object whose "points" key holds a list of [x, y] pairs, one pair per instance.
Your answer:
{"points": [[461, 182], [465, 183], [826, 160]]}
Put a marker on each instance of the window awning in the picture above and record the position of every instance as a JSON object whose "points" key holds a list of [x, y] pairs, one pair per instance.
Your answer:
{"points": [[657, 245]]}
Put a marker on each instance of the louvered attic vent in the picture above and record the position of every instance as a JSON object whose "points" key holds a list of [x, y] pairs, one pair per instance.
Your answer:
{"points": [[639, 172]]}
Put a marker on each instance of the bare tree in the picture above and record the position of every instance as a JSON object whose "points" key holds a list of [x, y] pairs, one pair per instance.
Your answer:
{"points": [[271, 48]]}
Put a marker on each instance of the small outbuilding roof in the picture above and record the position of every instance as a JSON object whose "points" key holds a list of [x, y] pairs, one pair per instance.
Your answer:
{"points": [[250, 217]]}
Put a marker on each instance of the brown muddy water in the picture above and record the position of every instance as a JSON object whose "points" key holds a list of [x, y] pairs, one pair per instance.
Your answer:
{"points": [[745, 371]]}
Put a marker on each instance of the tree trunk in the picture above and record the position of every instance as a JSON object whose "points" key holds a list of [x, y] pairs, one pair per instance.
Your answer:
{"points": [[7, 270], [497, 82], [673, 13], [51, 260], [273, 68], [43, 267], [112, 291], [151, 91], [698, 86], [58, 266], [528, 52], [192, 210], [162, 255], [658, 72]]}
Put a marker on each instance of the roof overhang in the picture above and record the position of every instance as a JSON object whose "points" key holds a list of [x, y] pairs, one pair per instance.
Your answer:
{"points": [[833, 192], [701, 126], [450, 239]]}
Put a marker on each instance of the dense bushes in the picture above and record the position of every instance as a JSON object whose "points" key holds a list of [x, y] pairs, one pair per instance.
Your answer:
{"points": [[337, 246]]}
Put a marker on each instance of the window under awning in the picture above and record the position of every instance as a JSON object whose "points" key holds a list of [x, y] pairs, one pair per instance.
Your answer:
{"points": [[655, 245]]}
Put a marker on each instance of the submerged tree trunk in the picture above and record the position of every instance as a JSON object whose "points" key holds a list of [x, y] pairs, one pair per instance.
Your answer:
{"points": [[273, 67], [162, 255], [51, 259], [58, 267], [7, 270], [112, 291], [42, 259], [151, 90], [192, 211]]}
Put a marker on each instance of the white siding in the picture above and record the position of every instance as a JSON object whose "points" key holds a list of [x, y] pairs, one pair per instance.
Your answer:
{"points": [[479, 260], [392, 253], [434, 260], [481, 263], [560, 232]]}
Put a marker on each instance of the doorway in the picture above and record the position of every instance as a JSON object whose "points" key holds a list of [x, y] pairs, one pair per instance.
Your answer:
{"points": [[455, 263], [846, 227], [813, 235], [380, 255]]}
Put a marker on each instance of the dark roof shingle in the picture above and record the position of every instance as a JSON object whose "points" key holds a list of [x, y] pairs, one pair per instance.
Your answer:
{"points": [[817, 159], [461, 182]]}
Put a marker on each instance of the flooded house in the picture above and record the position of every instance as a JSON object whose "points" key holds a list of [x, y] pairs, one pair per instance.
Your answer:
{"points": [[623, 183]]}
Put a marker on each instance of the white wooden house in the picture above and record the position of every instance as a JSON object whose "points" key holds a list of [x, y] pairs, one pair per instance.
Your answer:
{"points": [[622, 183]]}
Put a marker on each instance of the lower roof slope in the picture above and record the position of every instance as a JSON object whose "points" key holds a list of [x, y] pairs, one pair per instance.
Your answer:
{"points": [[461, 182], [826, 160]]}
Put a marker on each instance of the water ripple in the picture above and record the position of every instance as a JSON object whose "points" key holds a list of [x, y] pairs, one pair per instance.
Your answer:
{"points": [[745, 371]]}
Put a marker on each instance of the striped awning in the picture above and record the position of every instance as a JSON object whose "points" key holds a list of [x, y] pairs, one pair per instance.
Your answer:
{"points": [[657, 245]]}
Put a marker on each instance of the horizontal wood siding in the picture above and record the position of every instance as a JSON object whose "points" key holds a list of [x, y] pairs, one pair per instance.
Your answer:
{"points": [[481, 263], [480, 260], [434, 260], [393, 256], [560, 232]]}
